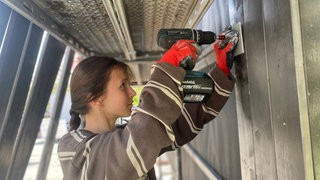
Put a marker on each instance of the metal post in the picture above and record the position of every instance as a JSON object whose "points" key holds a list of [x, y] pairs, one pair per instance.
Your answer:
{"points": [[15, 105], [160, 167], [38, 98], [54, 120], [11, 50], [202, 163], [18, 60], [178, 165], [5, 14]]}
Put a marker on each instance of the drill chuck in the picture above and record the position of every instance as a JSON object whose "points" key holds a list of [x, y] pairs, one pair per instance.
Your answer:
{"points": [[167, 37]]}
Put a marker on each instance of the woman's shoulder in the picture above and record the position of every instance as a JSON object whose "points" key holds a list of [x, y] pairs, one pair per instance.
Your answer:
{"points": [[75, 138]]}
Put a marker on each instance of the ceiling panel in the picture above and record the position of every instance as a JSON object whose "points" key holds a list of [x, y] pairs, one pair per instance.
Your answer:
{"points": [[123, 29]]}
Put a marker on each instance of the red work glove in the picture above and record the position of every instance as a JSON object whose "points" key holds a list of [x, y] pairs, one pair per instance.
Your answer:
{"points": [[224, 49], [183, 53]]}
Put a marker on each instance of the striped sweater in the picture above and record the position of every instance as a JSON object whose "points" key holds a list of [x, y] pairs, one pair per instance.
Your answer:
{"points": [[161, 122]]}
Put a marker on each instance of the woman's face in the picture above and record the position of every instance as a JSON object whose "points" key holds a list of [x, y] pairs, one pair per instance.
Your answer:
{"points": [[117, 99]]}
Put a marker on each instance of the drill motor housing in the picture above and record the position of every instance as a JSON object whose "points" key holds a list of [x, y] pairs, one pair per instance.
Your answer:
{"points": [[167, 37], [197, 86]]}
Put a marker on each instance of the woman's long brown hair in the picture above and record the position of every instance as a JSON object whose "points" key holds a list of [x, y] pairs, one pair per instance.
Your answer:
{"points": [[88, 82]]}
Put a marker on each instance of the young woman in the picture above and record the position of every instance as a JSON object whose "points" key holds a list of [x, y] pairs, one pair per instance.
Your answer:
{"points": [[101, 93]]}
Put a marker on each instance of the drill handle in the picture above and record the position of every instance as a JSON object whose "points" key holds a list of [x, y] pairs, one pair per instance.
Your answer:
{"points": [[187, 63], [167, 37]]}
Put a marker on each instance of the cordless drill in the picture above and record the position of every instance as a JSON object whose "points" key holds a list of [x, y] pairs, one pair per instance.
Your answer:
{"points": [[197, 86]]}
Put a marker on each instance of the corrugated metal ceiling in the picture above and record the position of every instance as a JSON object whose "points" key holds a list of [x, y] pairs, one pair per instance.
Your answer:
{"points": [[124, 29]]}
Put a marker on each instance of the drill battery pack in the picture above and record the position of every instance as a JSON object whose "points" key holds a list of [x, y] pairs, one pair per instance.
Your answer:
{"points": [[197, 87]]}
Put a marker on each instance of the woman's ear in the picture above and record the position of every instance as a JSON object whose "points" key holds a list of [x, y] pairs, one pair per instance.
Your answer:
{"points": [[98, 102]]}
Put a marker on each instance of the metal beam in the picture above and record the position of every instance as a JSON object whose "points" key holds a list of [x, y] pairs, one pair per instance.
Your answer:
{"points": [[197, 13], [5, 14], [39, 94], [119, 23], [11, 50], [178, 167], [137, 73], [118, 5], [305, 23], [28, 9], [19, 92], [54, 120], [206, 168]]}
